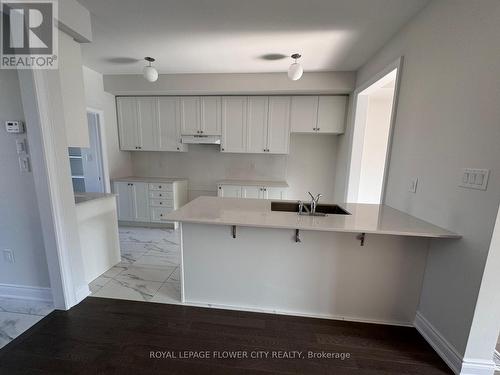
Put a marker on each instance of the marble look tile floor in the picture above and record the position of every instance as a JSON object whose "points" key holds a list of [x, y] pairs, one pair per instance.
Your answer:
{"points": [[16, 316], [149, 270]]}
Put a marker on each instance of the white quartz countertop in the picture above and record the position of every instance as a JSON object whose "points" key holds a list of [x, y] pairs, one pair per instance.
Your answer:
{"points": [[89, 197], [149, 179], [254, 183], [363, 218]]}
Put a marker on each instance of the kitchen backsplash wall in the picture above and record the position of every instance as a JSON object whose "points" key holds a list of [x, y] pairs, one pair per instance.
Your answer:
{"points": [[309, 166]]}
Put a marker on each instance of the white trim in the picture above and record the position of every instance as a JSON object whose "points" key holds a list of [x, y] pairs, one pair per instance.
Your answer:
{"points": [[446, 351], [82, 293], [32, 293], [477, 367], [104, 149], [294, 313], [395, 65], [496, 359], [449, 354]]}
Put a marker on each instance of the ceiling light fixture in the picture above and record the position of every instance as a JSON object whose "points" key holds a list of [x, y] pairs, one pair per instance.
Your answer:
{"points": [[295, 70], [150, 73]]}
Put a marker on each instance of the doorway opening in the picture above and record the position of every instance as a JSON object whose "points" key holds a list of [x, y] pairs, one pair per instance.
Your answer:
{"points": [[374, 105], [87, 164]]}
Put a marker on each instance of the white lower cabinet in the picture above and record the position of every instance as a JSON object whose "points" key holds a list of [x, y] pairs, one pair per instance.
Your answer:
{"points": [[132, 201], [229, 191], [149, 202], [251, 191]]}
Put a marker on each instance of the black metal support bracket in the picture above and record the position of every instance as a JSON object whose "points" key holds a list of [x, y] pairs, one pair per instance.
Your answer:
{"points": [[297, 236], [234, 231], [361, 238]]}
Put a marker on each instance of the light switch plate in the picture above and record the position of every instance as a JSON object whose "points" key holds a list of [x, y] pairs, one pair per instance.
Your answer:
{"points": [[473, 178], [24, 163], [21, 146], [412, 188], [8, 256]]}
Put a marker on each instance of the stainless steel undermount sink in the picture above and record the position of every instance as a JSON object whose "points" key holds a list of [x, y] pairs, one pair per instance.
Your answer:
{"points": [[321, 209]]}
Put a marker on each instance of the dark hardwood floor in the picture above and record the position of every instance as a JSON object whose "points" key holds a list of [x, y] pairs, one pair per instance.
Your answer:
{"points": [[107, 336]]}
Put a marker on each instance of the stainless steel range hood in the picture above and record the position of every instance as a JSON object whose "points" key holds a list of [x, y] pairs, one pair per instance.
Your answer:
{"points": [[201, 139]]}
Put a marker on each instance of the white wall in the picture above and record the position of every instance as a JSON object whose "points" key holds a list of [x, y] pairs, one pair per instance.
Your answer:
{"points": [[376, 138], [310, 166], [71, 79], [20, 228], [119, 162], [231, 84], [448, 118]]}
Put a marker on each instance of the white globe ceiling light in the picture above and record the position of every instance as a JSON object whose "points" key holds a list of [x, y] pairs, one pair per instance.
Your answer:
{"points": [[295, 70], [150, 73]]}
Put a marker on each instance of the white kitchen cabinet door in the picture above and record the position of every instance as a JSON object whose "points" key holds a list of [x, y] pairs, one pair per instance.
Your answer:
{"points": [[278, 133], [229, 191], [332, 114], [128, 118], [255, 192], [148, 123], [234, 124], [275, 193], [169, 124], [304, 114], [189, 109], [211, 123], [257, 120], [124, 200], [140, 195]]}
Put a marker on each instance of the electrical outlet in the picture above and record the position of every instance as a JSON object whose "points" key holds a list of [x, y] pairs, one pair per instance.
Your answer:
{"points": [[8, 256], [412, 188]]}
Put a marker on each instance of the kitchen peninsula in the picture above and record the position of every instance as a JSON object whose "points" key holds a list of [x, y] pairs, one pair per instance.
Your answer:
{"points": [[240, 254]]}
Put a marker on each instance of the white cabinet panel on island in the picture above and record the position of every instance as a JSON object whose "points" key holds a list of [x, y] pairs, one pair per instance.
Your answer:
{"points": [[148, 200], [252, 189]]}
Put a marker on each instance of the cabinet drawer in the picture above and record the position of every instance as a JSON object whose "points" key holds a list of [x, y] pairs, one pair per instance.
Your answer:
{"points": [[159, 213], [161, 203], [160, 194], [161, 186]]}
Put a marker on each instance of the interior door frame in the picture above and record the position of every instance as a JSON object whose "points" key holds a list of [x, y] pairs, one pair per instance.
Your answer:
{"points": [[395, 65], [103, 147]]}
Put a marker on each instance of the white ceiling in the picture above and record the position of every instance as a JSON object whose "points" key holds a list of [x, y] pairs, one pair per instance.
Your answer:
{"points": [[240, 36]]}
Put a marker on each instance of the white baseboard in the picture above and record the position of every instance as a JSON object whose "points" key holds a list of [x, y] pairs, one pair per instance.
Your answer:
{"points": [[295, 313], [496, 359], [457, 363], [32, 293], [82, 293]]}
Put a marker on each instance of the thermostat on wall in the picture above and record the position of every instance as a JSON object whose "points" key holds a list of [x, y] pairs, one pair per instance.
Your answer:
{"points": [[14, 127]]}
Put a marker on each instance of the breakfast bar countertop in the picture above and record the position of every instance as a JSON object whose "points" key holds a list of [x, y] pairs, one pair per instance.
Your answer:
{"points": [[363, 218]]}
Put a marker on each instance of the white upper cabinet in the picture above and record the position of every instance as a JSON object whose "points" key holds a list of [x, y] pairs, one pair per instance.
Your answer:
{"points": [[234, 124], [318, 114], [304, 114], [200, 115], [332, 114], [189, 107], [210, 114], [169, 124], [148, 123], [278, 133], [128, 118], [257, 119]]}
